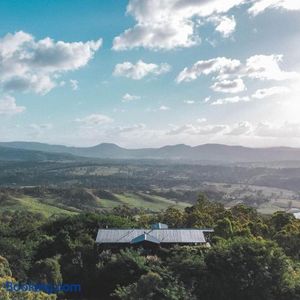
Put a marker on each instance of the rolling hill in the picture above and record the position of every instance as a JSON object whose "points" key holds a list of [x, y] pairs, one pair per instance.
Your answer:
{"points": [[206, 152], [19, 154]]}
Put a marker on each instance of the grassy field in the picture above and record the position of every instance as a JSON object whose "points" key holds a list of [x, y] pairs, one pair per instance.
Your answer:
{"points": [[33, 205], [275, 199], [140, 200], [71, 201], [147, 201], [49, 205]]}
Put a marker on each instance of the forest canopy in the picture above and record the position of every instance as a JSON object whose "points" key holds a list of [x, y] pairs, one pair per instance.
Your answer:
{"points": [[251, 256]]}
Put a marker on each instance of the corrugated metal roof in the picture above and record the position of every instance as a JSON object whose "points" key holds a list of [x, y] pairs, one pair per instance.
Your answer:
{"points": [[297, 215], [145, 237], [112, 236]]}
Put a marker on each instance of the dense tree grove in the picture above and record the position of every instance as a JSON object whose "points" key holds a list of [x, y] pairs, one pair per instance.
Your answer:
{"points": [[251, 256]]}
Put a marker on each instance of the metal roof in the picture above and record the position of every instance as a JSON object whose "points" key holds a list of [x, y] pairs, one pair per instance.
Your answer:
{"points": [[297, 215], [145, 237], [126, 236]]}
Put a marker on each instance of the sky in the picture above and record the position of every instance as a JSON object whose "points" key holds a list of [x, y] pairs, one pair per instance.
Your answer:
{"points": [[148, 73]]}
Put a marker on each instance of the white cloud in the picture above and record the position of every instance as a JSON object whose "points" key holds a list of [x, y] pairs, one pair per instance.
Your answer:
{"points": [[201, 120], [41, 126], [163, 107], [140, 69], [229, 86], [242, 128], [287, 129], [225, 25], [128, 97], [230, 100], [94, 120], [38, 130], [269, 92], [266, 130], [27, 64], [266, 67], [189, 101], [261, 5], [74, 84], [190, 129], [228, 75], [263, 67], [40, 84], [169, 24], [8, 106], [128, 129], [140, 135], [219, 65], [157, 36], [259, 94]]}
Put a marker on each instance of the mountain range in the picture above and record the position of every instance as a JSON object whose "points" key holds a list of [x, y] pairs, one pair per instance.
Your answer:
{"points": [[207, 152]]}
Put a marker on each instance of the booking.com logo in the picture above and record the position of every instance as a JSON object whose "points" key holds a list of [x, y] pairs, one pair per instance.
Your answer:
{"points": [[40, 287]]}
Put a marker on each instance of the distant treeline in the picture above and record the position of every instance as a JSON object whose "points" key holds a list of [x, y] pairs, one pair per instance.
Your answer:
{"points": [[136, 176]]}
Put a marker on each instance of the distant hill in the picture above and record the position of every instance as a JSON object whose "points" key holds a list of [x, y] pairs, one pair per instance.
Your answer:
{"points": [[207, 152], [17, 154]]}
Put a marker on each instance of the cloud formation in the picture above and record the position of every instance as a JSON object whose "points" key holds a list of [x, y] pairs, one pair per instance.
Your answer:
{"points": [[169, 24], [74, 84], [227, 100], [269, 92], [229, 86], [220, 66], [285, 130], [191, 129], [241, 128], [128, 97], [9, 107], [245, 128], [163, 107], [27, 64], [189, 101], [228, 75], [267, 67], [39, 130], [129, 129], [94, 120], [225, 25], [140, 70], [261, 5]]}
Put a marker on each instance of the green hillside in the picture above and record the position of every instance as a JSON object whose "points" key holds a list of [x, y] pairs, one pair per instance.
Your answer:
{"points": [[69, 201]]}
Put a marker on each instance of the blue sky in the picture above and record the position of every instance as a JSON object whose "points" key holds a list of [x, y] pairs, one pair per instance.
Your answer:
{"points": [[149, 73]]}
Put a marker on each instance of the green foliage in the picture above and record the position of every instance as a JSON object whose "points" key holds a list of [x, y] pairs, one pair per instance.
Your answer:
{"points": [[153, 286], [224, 228], [251, 256], [244, 268], [5, 276], [4, 267], [47, 271], [280, 219], [122, 269], [173, 217], [203, 213], [187, 262], [289, 238]]}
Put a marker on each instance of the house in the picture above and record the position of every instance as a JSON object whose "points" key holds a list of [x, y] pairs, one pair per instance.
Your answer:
{"points": [[295, 212], [297, 215], [158, 235]]}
